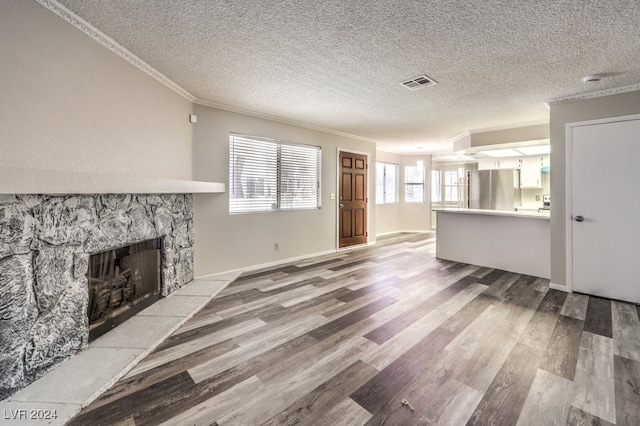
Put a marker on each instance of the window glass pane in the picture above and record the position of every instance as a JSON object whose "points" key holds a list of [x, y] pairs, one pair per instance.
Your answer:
{"points": [[451, 185], [380, 183], [391, 184], [450, 177], [386, 183], [414, 184], [451, 193], [414, 174], [436, 188]]}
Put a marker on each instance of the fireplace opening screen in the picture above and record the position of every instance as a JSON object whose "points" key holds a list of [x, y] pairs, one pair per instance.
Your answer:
{"points": [[122, 282]]}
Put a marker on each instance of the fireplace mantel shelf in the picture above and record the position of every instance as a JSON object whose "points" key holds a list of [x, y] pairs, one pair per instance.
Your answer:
{"points": [[15, 180]]}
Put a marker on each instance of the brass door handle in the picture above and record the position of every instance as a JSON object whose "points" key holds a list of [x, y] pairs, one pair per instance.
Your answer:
{"points": [[341, 205]]}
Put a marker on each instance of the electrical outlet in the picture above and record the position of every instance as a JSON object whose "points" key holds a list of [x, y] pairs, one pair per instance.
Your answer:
{"points": [[276, 246], [537, 198]]}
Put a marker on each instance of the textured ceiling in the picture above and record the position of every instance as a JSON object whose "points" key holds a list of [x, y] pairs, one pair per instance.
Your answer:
{"points": [[338, 64]]}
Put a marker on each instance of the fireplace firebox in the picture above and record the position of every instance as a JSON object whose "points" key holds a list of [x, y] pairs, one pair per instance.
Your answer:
{"points": [[122, 282]]}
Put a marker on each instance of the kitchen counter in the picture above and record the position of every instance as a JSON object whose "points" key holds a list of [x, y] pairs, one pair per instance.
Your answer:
{"points": [[509, 240], [535, 215]]}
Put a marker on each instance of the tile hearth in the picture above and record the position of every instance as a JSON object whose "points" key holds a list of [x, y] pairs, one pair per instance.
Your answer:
{"points": [[81, 379]]}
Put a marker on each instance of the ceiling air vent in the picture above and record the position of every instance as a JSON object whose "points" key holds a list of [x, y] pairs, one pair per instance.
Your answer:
{"points": [[419, 82]]}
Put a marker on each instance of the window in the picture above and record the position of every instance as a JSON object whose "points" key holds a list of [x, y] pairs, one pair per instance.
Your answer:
{"points": [[414, 184], [268, 175], [436, 188], [451, 185], [386, 183]]}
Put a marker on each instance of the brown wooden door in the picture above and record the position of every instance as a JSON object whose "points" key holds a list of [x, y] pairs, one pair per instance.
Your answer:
{"points": [[353, 199]]}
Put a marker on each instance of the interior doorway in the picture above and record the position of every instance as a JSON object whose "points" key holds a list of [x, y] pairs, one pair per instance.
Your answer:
{"points": [[352, 199], [603, 235]]}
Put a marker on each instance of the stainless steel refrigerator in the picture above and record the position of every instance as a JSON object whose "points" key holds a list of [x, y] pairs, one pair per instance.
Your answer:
{"points": [[492, 189]]}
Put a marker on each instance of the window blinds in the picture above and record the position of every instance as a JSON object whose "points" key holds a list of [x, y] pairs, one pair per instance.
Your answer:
{"points": [[414, 184], [267, 175]]}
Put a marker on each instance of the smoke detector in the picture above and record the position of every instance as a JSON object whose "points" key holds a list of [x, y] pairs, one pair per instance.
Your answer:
{"points": [[419, 82]]}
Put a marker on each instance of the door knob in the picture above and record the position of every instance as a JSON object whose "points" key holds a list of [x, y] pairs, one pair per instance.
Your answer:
{"points": [[341, 205], [579, 218]]}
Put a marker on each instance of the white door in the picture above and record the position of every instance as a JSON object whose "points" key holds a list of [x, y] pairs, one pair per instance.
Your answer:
{"points": [[605, 196]]}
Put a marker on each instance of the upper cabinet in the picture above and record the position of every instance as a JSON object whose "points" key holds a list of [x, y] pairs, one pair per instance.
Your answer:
{"points": [[487, 164], [497, 164], [546, 161], [508, 163], [527, 170], [531, 172]]}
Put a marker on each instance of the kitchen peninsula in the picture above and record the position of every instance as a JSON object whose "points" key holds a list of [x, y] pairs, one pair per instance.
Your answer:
{"points": [[509, 240]]}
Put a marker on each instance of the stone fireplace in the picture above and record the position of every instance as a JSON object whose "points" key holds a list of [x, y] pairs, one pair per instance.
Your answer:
{"points": [[45, 246]]}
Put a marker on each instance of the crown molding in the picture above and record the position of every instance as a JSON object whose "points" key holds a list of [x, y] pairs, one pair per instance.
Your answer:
{"points": [[510, 126], [112, 45], [591, 95]]}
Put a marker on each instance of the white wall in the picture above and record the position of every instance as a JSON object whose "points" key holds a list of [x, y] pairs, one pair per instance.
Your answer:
{"points": [[226, 242], [68, 103]]}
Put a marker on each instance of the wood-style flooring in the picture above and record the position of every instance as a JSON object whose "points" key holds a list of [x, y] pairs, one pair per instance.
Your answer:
{"points": [[344, 339]]}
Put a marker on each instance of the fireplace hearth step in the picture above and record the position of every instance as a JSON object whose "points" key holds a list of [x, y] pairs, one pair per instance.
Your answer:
{"points": [[84, 377]]}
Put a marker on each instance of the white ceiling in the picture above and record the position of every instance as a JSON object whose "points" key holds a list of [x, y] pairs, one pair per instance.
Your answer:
{"points": [[337, 65]]}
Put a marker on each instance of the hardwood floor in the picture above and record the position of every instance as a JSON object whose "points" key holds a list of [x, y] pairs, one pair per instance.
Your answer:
{"points": [[344, 339]]}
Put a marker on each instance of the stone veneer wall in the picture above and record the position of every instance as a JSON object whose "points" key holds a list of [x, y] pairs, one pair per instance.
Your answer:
{"points": [[45, 243]]}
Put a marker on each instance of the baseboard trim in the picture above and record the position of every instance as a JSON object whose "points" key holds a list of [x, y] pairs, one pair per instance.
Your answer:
{"points": [[406, 231], [559, 287], [270, 264]]}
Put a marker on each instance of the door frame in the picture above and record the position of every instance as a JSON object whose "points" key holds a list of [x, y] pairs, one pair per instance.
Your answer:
{"points": [[337, 200], [569, 186]]}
